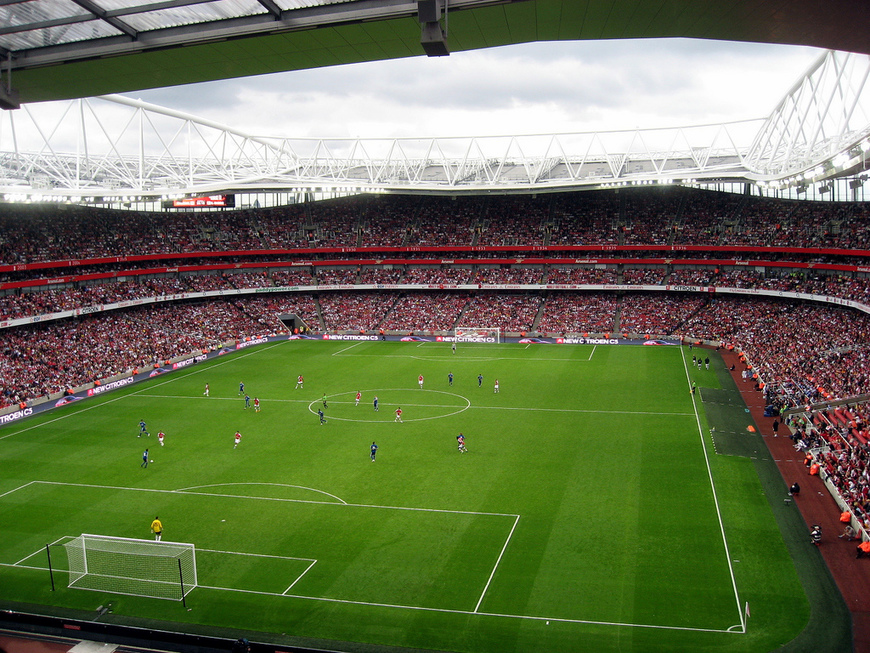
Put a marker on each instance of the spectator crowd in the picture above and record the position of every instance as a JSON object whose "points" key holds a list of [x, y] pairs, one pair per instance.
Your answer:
{"points": [[813, 350]]}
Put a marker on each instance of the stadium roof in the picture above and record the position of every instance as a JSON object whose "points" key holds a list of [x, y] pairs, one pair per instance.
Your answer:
{"points": [[819, 131], [63, 49]]}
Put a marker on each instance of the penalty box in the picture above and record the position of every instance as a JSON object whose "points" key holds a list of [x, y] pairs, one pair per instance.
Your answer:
{"points": [[301, 547]]}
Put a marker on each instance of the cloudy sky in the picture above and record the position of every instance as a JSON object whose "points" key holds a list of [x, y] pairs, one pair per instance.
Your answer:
{"points": [[522, 89]]}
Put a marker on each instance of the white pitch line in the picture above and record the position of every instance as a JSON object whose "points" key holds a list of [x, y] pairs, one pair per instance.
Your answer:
{"points": [[442, 510], [17, 566], [313, 562], [715, 496], [445, 610], [492, 574], [300, 487], [256, 555], [15, 489], [583, 410], [410, 607], [477, 359], [470, 613], [213, 398], [356, 344], [306, 501], [469, 406], [28, 556], [396, 403], [591, 352], [40, 550], [175, 377], [197, 494]]}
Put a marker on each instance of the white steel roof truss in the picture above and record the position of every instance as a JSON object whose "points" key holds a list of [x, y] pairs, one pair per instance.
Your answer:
{"points": [[678, 134], [366, 161], [822, 111], [324, 163], [777, 126], [638, 136], [158, 162], [855, 104], [502, 160], [489, 168], [308, 165], [460, 169], [403, 162], [119, 166], [556, 142], [733, 146], [208, 146], [46, 140], [444, 164], [799, 115], [422, 163], [585, 158]]}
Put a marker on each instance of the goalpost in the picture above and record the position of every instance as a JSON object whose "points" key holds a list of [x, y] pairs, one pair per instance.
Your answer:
{"points": [[477, 334], [120, 565]]}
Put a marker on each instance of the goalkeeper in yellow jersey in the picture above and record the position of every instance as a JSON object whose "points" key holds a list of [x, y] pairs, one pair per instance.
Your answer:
{"points": [[157, 528]]}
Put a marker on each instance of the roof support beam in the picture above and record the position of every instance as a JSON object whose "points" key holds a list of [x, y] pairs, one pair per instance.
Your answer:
{"points": [[272, 8], [119, 25], [43, 24]]}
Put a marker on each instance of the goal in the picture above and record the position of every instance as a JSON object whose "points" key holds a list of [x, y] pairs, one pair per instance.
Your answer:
{"points": [[478, 334], [120, 565]]}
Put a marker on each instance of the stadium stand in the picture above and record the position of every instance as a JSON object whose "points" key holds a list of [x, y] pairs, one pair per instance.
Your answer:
{"points": [[58, 262]]}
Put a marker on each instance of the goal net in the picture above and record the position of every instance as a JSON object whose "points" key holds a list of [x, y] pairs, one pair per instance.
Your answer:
{"points": [[478, 334], [120, 565]]}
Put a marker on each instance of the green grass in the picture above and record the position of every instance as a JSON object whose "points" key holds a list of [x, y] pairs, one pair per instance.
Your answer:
{"points": [[591, 512]]}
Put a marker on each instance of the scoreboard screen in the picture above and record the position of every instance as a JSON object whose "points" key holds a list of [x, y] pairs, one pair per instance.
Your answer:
{"points": [[208, 201]]}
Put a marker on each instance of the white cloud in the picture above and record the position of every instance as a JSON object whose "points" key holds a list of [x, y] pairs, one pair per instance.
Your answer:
{"points": [[522, 89]]}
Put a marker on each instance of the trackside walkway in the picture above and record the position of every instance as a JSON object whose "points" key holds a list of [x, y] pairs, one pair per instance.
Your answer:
{"points": [[817, 507]]}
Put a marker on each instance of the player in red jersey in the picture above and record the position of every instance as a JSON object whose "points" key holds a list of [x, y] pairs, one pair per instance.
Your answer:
{"points": [[460, 442]]}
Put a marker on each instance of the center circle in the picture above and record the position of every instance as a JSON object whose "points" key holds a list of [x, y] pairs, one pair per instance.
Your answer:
{"points": [[417, 405]]}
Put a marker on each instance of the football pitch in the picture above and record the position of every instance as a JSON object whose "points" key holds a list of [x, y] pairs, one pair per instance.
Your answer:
{"points": [[591, 511]]}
